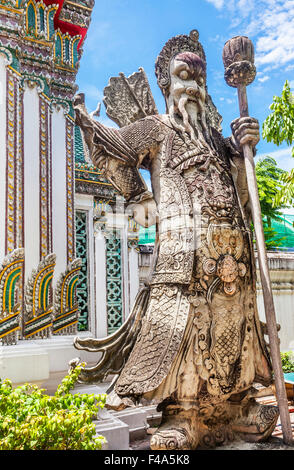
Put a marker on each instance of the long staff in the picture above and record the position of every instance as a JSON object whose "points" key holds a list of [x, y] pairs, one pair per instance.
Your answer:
{"points": [[238, 58]]}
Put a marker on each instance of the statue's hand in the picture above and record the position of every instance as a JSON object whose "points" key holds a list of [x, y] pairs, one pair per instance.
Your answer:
{"points": [[79, 99], [80, 109], [245, 131], [145, 213]]}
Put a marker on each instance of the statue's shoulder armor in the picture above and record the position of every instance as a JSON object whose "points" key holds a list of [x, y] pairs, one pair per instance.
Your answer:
{"points": [[144, 133], [224, 145]]}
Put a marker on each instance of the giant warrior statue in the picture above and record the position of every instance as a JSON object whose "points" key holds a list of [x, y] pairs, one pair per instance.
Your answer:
{"points": [[193, 343]]}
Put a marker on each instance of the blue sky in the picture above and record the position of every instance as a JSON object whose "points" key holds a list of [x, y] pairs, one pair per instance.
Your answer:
{"points": [[127, 34]]}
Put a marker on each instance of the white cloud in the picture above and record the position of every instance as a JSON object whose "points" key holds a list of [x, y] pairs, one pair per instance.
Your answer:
{"points": [[283, 158], [263, 79], [91, 91], [106, 121], [217, 3], [290, 67], [271, 22]]}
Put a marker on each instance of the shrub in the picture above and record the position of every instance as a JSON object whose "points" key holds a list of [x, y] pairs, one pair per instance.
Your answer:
{"points": [[32, 420], [287, 362]]}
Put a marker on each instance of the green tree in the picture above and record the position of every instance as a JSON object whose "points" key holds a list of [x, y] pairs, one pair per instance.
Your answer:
{"points": [[32, 420], [268, 176], [279, 128]]}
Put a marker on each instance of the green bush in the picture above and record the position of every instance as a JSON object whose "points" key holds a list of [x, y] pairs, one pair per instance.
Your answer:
{"points": [[32, 420], [287, 362]]}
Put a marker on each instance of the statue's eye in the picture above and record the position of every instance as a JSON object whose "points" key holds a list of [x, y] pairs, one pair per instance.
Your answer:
{"points": [[183, 74]]}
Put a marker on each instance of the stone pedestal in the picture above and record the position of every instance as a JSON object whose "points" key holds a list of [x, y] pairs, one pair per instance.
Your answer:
{"points": [[21, 364], [36, 361], [114, 430]]}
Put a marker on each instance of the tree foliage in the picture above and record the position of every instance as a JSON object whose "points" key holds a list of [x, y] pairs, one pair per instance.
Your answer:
{"points": [[287, 361], [32, 420], [268, 176], [279, 128], [279, 125]]}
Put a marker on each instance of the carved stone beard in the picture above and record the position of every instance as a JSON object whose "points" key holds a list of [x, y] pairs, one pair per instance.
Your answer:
{"points": [[189, 117]]}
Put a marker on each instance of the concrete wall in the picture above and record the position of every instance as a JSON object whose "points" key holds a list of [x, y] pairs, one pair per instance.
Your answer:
{"points": [[282, 276]]}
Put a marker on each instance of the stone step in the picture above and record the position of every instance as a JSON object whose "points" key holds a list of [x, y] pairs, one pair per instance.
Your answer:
{"points": [[120, 428]]}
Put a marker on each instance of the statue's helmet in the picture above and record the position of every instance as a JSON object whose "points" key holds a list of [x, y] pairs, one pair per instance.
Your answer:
{"points": [[179, 45], [172, 48]]}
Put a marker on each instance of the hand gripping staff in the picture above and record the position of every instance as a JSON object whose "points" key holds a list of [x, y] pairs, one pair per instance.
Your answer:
{"points": [[238, 59]]}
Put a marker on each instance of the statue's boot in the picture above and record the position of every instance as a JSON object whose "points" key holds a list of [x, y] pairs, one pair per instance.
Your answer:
{"points": [[254, 421], [184, 429], [178, 430]]}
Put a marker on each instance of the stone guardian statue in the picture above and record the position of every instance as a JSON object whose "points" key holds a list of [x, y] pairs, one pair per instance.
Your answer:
{"points": [[193, 343]]}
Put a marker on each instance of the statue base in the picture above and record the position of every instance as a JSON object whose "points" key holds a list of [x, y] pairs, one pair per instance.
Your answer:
{"points": [[188, 429]]}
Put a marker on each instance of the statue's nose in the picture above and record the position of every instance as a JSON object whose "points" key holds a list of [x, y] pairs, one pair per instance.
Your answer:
{"points": [[192, 91]]}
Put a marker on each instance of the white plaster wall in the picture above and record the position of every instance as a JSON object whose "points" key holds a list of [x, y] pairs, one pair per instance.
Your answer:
{"points": [[125, 269], [283, 294], [2, 154], [134, 275], [59, 221], [100, 284], [31, 180]]}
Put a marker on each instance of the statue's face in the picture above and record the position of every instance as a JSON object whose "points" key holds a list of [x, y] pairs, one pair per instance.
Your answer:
{"points": [[187, 80]]}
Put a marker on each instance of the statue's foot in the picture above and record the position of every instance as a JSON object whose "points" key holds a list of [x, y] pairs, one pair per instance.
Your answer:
{"points": [[170, 439], [256, 422], [178, 430]]}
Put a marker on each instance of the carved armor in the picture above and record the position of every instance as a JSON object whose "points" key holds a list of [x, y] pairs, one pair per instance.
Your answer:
{"points": [[193, 343], [203, 256]]}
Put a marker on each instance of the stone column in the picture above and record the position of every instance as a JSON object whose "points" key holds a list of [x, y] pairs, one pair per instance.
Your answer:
{"points": [[3, 111]]}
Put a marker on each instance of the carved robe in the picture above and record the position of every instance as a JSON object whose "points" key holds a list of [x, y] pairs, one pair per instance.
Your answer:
{"points": [[201, 336]]}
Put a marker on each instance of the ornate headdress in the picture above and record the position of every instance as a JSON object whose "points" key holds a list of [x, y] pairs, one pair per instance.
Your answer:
{"points": [[173, 47]]}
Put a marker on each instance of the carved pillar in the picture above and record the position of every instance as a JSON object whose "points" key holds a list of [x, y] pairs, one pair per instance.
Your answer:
{"points": [[45, 177], [70, 222], [11, 199], [3, 140], [11, 274]]}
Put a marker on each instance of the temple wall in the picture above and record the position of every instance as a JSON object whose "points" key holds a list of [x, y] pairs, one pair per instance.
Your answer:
{"points": [[38, 267], [107, 242]]}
